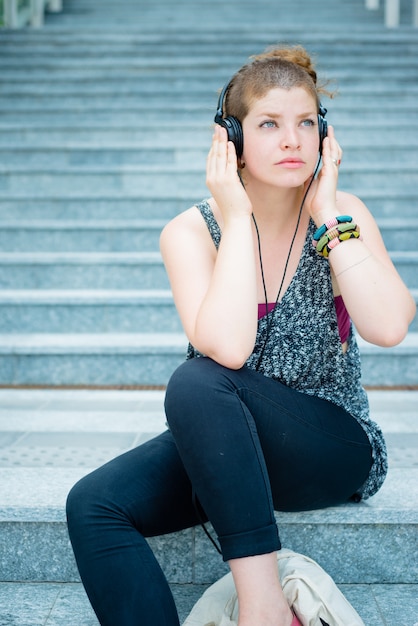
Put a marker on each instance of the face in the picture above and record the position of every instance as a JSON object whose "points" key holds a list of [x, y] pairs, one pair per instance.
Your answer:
{"points": [[281, 137]]}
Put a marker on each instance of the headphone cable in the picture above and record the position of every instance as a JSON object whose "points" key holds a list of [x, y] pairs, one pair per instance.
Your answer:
{"points": [[269, 320]]}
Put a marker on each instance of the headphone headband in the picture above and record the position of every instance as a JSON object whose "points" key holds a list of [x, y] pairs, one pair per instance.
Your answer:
{"points": [[221, 101]]}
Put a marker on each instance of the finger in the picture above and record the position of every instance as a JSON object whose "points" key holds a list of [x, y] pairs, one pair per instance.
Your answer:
{"points": [[232, 161], [221, 156], [211, 157], [212, 161], [334, 148], [216, 149], [216, 167], [330, 156]]}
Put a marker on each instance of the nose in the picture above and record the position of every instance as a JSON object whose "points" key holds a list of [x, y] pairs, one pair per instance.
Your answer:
{"points": [[290, 138]]}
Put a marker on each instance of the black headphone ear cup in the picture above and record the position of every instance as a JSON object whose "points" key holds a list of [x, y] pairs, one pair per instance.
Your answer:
{"points": [[235, 134], [323, 130]]}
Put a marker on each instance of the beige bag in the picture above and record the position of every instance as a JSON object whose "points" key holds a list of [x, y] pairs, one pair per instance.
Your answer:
{"points": [[310, 591]]}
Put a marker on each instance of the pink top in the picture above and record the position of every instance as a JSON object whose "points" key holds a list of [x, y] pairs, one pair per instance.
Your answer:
{"points": [[343, 318]]}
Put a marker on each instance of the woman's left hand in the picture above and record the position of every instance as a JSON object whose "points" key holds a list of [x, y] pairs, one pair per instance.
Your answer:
{"points": [[322, 197]]}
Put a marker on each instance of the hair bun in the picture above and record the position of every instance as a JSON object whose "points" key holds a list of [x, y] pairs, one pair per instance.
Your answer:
{"points": [[293, 54]]}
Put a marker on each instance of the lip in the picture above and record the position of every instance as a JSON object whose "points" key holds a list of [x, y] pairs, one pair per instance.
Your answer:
{"points": [[291, 163]]}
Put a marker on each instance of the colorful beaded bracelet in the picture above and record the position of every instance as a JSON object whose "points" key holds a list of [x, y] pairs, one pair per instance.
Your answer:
{"points": [[334, 233], [354, 234], [340, 219]]}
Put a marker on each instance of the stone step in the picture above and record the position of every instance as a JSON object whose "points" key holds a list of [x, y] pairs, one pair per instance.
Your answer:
{"points": [[117, 270], [83, 16], [90, 359], [71, 270], [99, 182], [120, 311], [37, 529], [78, 65], [139, 235], [105, 78], [383, 204], [198, 99], [114, 236], [160, 50], [130, 87], [137, 71], [60, 207], [112, 115], [211, 18], [26, 159], [263, 30], [386, 367], [103, 359], [58, 604], [50, 438], [89, 44], [94, 311], [363, 100], [130, 52], [112, 45], [78, 145], [370, 35], [182, 15], [151, 180], [31, 66], [41, 122]]}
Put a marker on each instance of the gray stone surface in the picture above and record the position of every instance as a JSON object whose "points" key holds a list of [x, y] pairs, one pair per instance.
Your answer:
{"points": [[146, 181], [59, 311], [50, 438], [53, 604], [150, 358], [88, 270]]}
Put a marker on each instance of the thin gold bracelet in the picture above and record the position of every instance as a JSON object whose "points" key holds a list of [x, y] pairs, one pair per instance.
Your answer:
{"points": [[354, 265]]}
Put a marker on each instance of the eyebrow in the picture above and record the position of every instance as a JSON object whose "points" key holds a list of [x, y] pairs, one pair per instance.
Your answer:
{"points": [[278, 115]]}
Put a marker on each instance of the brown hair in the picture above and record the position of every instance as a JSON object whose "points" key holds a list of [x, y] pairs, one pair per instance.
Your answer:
{"points": [[285, 67]]}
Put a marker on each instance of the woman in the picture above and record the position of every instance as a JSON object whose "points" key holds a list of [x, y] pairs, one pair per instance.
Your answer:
{"points": [[267, 413]]}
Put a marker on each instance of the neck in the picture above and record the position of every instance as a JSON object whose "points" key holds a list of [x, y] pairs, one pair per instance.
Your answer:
{"points": [[278, 217], [276, 208]]}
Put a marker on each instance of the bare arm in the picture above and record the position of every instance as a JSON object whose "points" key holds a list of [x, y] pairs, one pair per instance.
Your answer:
{"points": [[216, 293], [376, 298]]}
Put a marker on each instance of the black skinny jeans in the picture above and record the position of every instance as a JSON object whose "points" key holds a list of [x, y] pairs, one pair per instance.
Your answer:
{"points": [[248, 445]]}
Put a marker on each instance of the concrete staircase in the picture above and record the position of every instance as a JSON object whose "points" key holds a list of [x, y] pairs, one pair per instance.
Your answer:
{"points": [[105, 119], [105, 122]]}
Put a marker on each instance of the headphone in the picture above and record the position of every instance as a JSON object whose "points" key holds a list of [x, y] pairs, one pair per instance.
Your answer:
{"points": [[234, 129]]}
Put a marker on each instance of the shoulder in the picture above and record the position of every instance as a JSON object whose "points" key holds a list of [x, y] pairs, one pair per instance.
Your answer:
{"points": [[185, 231], [189, 219]]}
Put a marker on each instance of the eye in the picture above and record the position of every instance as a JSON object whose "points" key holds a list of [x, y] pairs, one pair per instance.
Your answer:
{"points": [[268, 124], [308, 122]]}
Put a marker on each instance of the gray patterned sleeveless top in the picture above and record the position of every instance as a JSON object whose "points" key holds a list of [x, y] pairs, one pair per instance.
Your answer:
{"points": [[303, 348]]}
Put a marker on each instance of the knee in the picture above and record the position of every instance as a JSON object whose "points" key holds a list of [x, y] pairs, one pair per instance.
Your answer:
{"points": [[195, 388], [196, 377], [80, 502], [188, 387]]}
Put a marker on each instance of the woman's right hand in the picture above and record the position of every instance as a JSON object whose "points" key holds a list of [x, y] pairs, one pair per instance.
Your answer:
{"points": [[222, 177]]}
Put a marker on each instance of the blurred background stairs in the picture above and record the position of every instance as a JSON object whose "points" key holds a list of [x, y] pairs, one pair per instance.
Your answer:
{"points": [[105, 119], [105, 122]]}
